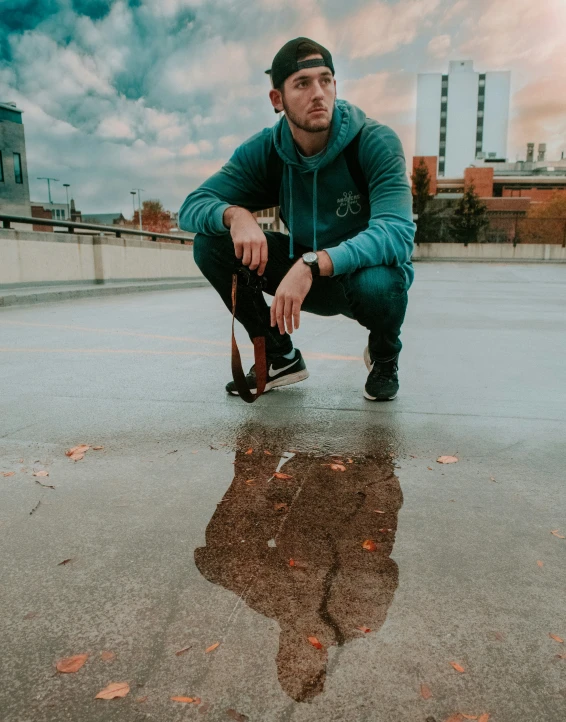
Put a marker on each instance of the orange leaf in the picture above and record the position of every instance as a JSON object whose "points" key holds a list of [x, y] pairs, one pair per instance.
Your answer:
{"points": [[141, 699], [469, 716], [315, 643], [249, 451], [113, 690], [557, 534], [69, 665], [363, 629], [337, 467], [484, 717], [280, 475], [107, 656], [41, 473], [268, 452], [297, 565], [182, 651], [97, 448], [212, 647], [457, 667], [186, 700], [77, 452], [369, 545], [249, 482], [558, 656], [349, 461], [556, 638], [429, 468], [447, 459], [425, 692], [8, 473], [541, 564]]}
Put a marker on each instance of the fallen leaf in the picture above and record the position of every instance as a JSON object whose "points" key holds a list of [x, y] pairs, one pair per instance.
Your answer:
{"points": [[349, 461], [491, 478], [499, 636], [141, 699], [30, 615], [113, 690], [41, 473], [249, 481], [69, 665], [455, 717], [457, 667], [425, 692], [315, 643], [280, 475], [369, 545], [8, 473], [556, 638], [249, 451], [377, 511], [363, 629], [182, 651], [107, 656], [65, 561], [541, 564], [484, 717], [447, 459], [558, 656], [237, 715], [98, 448], [337, 467], [557, 534], [281, 507], [212, 647], [268, 452], [77, 452], [429, 468], [185, 700], [297, 565], [469, 716]]}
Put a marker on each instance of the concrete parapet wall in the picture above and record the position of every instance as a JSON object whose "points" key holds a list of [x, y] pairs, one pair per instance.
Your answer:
{"points": [[38, 257], [523, 252]]}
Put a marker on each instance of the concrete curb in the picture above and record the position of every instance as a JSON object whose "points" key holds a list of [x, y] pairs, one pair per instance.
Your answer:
{"points": [[30, 296]]}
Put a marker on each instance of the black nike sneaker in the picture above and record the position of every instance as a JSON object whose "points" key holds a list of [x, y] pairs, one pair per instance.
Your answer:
{"points": [[382, 383], [281, 371]]}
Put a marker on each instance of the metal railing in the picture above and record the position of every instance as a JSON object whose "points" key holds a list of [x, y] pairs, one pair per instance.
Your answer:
{"points": [[118, 231]]}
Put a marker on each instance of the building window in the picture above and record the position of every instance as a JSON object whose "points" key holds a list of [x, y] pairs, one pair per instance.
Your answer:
{"points": [[1, 169], [18, 168], [443, 114]]}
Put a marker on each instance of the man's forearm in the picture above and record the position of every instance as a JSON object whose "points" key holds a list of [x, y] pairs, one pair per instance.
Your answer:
{"points": [[233, 212], [325, 263]]}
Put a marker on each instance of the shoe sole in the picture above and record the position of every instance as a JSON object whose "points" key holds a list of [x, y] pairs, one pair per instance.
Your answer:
{"points": [[283, 381], [369, 366]]}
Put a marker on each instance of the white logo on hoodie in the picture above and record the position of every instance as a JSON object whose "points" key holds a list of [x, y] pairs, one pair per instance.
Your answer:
{"points": [[348, 203]]}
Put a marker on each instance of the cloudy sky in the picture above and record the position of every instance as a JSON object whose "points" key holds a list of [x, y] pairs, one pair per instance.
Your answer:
{"points": [[157, 93]]}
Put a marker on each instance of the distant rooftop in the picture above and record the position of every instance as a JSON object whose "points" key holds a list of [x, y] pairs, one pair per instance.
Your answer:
{"points": [[9, 111]]}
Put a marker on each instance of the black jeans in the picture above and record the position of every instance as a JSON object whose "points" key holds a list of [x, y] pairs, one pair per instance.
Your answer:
{"points": [[376, 297]]}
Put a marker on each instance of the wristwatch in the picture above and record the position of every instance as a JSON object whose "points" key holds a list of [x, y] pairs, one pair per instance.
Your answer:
{"points": [[311, 259]]}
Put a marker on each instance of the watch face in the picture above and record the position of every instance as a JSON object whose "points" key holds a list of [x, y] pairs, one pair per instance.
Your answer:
{"points": [[310, 257]]}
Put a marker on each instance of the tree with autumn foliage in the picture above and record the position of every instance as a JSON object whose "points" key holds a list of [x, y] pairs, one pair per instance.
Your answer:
{"points": [[469, 217], [428, 223], [545, 222], [154, 217]]}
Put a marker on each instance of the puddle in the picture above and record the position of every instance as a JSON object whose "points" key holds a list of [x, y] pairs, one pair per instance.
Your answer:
{"points": [[293, 549]]}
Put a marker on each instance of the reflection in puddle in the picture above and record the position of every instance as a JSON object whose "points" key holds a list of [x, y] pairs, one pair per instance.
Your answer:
{"points": [[319, 518]]}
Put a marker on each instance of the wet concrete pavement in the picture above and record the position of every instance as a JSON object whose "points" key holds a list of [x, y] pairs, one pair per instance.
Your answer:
{"points": [[179, 538]]}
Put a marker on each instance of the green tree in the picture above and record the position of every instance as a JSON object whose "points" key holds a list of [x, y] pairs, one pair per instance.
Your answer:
{"points": [[428, 224], [469, 217]]}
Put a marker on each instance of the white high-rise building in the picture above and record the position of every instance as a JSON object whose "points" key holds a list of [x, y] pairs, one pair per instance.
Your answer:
{"points": [[462, 116]]}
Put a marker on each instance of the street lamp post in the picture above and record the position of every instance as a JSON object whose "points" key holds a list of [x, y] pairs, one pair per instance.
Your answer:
{"points": [[133, 194], [49, 185], [67, 186], [138, 191]]}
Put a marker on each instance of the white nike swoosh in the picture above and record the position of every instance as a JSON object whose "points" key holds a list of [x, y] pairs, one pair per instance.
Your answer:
{"points": [[272, 372]]}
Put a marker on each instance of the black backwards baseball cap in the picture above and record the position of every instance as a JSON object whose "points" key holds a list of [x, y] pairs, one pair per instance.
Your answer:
{"points": [[285, 63]]}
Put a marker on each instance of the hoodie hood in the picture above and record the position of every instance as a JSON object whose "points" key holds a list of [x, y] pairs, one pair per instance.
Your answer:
{"points": [[346, 121]]}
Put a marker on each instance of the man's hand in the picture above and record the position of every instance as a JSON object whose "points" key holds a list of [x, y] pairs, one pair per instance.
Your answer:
{"points": [[289, 297], [250, 243]]}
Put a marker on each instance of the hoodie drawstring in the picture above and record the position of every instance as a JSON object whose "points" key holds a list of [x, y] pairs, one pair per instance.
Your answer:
{"points": [[314, 209], [291, 254]]}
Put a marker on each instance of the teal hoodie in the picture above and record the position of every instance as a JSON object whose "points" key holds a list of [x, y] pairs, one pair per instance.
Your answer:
{"points": [[322, 205]]}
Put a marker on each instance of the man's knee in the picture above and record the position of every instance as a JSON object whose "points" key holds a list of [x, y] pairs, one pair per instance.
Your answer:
{"points": [[209, 250], [380, 282]]}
